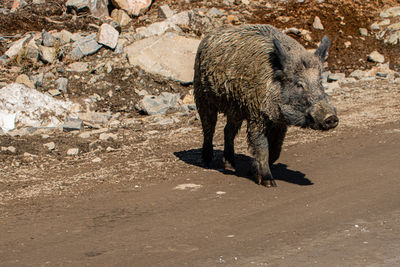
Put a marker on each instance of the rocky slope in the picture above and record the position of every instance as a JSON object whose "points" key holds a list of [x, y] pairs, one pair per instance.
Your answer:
{"points": [[124, 85]]}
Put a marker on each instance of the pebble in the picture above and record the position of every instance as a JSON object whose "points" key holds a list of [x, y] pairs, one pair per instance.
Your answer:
{"points": [[50, 146], [108, 136], [96, 160], [48, 39], [9, 149], [62, 85], [376, 57], [108, 36], [73, 151], [317, 24]]}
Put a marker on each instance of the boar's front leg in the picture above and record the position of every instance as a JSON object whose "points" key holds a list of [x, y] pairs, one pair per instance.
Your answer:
{"points": [[258, 144]]}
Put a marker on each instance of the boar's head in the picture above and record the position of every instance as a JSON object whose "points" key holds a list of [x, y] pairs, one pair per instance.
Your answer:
{"points": [[303, 101]]}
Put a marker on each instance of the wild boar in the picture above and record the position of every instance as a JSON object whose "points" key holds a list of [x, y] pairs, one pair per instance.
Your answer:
{"points": [[259, 74]]}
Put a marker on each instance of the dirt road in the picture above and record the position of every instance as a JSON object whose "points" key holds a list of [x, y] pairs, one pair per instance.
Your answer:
{"points": [[337, 204]]}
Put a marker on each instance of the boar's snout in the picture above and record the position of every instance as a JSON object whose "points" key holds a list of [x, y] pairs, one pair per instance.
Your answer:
{"points": [[330, 122], [324, 116]]}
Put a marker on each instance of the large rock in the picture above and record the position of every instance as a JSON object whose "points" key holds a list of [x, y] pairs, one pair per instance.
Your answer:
{"points": [[169, 55], [391, 12], [133, 7], [108, 36]]}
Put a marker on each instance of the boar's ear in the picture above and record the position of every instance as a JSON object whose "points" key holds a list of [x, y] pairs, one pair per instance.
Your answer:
{"points": [[278, 56], [323, 48]]}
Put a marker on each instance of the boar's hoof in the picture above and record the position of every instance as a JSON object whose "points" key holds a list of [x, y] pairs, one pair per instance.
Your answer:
{"points": [[266, 182], [228, 167], [331, 121]]}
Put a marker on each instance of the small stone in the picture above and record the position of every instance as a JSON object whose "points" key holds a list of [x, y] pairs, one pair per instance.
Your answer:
{"points": [[50, 146], [165, 12], [64, 36], [17, 46], [78, 6], [121, 17], [18, 4], [78, 67], [48, 39], [363, 32], [72, 124], [347, 44], [188, 99], [232, 19], [334, 77], [376, 57], [62, 85], [73, 151], [10, 149], [358, 74], [317, 24], [24, 79], [85, 46], [108, 36], [38, 2], [108, 136], [374, 26], [54, 92], [133, 7], [95, 117], [84, 135], [96, 160], [215, 12], [47, 54]]}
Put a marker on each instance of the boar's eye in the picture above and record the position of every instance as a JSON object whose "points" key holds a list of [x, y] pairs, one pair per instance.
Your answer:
{"points": [[300, 87]]}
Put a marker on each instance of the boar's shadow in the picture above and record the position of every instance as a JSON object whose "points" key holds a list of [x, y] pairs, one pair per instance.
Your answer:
{"points": [[244, 167]]}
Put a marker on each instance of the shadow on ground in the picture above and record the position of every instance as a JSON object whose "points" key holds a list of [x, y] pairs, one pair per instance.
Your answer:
{"points": [[244, 167]]}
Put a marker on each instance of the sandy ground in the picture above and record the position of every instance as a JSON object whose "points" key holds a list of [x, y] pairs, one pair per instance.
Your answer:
{"points": [[336, 202]]}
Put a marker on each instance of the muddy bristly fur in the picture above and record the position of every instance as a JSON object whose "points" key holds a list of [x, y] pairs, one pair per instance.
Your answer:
{"points": [[257, 73]]}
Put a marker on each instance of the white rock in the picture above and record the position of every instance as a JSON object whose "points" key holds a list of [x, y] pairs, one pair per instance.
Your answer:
{"points": [[7, 121], [78, 67], [169, 55], [96, 160], [73, 151], [363, 32], [390, 12], [133, 7], [50, 146], [28, 107], [376, 57], [317, 24], [108, 36]]}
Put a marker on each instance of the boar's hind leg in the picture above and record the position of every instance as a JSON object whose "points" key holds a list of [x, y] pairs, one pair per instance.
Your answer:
{"points": [[276, 135], [258, 144], [231, 129], [208, 117]]}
